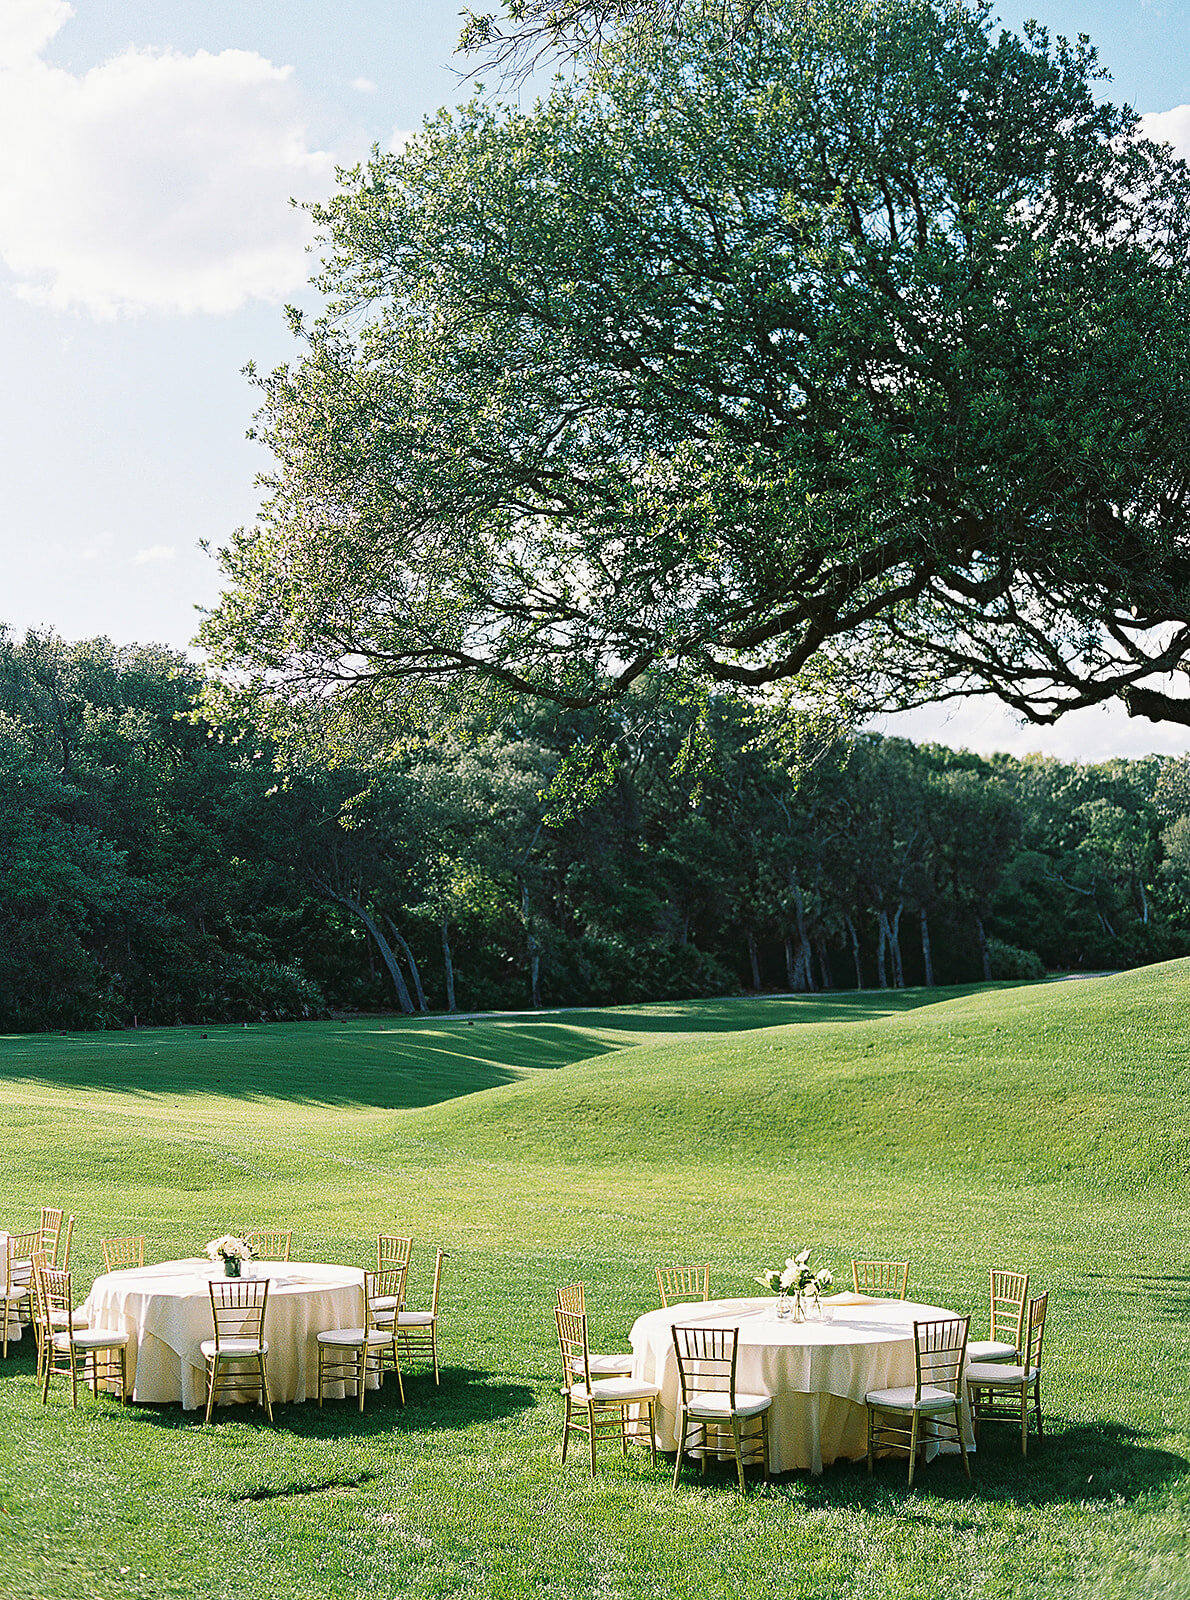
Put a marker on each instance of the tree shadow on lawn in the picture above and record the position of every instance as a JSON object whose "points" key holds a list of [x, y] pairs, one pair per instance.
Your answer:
{"points": [[1073, 1465], [465, 1397], [405, 1062]]}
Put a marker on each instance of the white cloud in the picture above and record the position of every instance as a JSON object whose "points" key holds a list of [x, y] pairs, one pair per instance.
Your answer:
{"points": [[1169, 127], [363, 85], [155, 552], [156, 181]]}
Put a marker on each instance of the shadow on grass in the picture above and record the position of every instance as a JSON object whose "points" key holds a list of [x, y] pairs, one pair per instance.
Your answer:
{"points": [[405, 1062], [1083, 1464], [465, 1397]]}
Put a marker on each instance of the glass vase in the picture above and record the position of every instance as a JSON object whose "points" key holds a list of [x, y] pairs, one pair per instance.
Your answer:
{"points": [[798, 1308], [231, 1266]]}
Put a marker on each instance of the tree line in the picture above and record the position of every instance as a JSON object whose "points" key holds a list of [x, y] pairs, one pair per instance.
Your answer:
{"points": [[158, 868]]}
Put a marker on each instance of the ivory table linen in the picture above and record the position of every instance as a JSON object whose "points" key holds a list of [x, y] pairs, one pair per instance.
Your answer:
{"points": [[818, 1372], [167, 1310]]}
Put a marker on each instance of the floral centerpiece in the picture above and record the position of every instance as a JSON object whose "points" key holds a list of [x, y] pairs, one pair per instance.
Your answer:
{"points": [[231, 1251], [794, 1281]]}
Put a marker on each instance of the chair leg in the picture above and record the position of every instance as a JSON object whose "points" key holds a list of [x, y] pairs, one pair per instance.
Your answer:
{"points": [[361, 1382], [212, 1371], [871, 1433], [434, 1350], [1037, 1402], [74, 1379], [591, 1425], [566, 1429], [913, 1448], [396, 1368], [958, 1428], [681, 1445], [266, 1400], [653, 1432], [764, 1443], [739, 1453]]}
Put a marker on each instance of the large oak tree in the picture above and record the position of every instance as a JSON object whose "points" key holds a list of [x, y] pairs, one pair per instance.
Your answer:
{"points": [[847, 351]]}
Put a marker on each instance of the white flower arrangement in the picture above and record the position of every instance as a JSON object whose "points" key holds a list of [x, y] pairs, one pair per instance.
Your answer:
{"points": [[797, 1277], [228, 1248]]}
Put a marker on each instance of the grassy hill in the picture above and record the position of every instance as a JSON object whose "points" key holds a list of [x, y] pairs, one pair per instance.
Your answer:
{"points": [[1042, 1126]]}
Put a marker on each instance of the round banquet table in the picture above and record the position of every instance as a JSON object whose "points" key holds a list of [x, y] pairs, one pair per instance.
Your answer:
{"points": [[167, 1310], [817, 1371]]}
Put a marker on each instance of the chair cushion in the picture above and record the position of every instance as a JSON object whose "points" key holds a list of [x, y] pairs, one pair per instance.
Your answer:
{"points": [[991, 1350], [91, 1339], [355, 1336], [712, 1407], [58, 1319], [233, 1347], [614, 1390], [990, 1374], [426, 1319], [385, 1302], [904, 1399]]}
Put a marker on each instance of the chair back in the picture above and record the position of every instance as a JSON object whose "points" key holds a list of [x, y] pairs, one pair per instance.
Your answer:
{"points": [[23, 1245], [683, 1283], [119, 1254], [270, 1244], [1010, 1294], [49, 1231], [706, 1361], [881, 1277], [572, 1340], [238, 1308], [439, 1258], [941, 1349], [573, 1297], [52, 1293], [389, 1284], [392, 1250], [1032, 1351]]}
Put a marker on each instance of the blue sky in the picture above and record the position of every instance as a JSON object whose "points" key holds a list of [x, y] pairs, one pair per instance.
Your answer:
{"points": [[148, 152]]}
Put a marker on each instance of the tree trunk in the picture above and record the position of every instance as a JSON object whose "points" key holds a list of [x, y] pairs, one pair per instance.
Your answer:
{"points": [[790, 973], [803, 938], [824, 966], [532, 947], [881, 936], [894, 943], [754, 958], [382, 944], [926, 958], [985, 959], [408, 954], [859, 972], [448, 965]]}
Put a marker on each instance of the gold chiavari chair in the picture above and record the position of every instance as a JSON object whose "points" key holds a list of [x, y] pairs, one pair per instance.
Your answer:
{"points": [[677, 1284], [49, 1232], [710, 1405], [65, 1348], [572, 1297], [392, 1250], [237, 1357], [417, 1331], [270, 1244], [599, 1407], [63, 1257], [991, 1384], [940, 1349], [881, 1277], [12, 1294], [345, 1355], [121, 1254], [22, 1247], [1006, 1321]]}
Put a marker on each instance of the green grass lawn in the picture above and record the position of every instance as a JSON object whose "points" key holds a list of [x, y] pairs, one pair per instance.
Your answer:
{"points": [[1044, 1126]]}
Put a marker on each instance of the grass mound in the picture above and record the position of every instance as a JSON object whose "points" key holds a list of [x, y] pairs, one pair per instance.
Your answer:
{"points": [[1042, 1127]]}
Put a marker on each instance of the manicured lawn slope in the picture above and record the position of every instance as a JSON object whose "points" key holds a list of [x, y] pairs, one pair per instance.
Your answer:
{"points": [[1046, 1126]]}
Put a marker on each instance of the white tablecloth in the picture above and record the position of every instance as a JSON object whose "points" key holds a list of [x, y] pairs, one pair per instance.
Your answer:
{"points": [[167, 1310], [818, 1372]]}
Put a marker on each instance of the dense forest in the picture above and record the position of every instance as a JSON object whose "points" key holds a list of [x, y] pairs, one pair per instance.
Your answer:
{"points": [[158, 868]]}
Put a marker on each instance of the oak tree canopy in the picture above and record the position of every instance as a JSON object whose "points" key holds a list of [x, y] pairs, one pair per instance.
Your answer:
{"points": [[847, 351]]}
